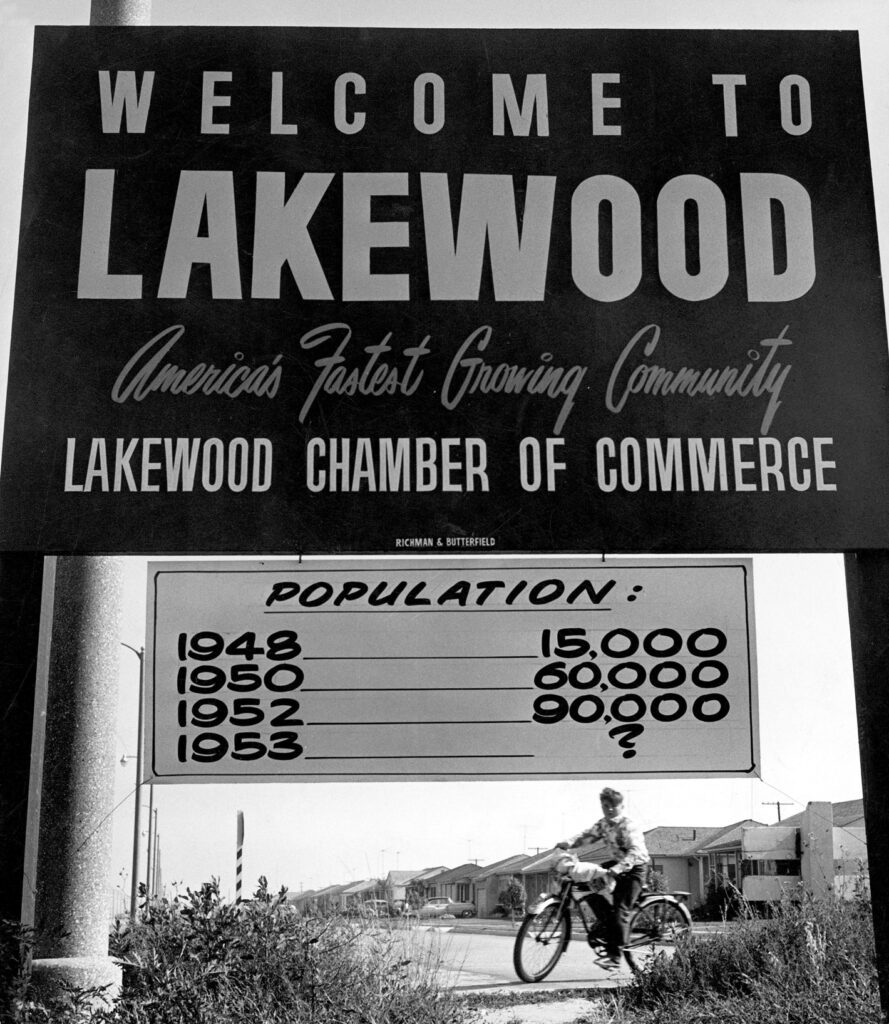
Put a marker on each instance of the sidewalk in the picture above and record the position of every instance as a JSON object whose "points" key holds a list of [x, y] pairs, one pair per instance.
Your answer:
{"points": [[567, 1011]]}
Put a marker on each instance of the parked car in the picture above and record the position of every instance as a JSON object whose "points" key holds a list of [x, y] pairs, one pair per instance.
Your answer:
{"points": [[439, 906]]}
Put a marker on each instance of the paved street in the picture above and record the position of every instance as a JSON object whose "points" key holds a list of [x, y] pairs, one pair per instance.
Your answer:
{"points": [[472, 961]]}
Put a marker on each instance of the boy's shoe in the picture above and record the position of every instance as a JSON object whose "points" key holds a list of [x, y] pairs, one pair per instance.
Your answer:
{"points": [[610, 963]]}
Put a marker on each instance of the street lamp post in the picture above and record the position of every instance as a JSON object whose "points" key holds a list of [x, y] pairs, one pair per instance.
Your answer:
{"points": [[137, 814], [152, 848]]}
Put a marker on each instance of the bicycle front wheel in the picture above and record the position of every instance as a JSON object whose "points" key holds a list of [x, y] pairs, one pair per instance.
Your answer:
{"points": [[540, 942]]}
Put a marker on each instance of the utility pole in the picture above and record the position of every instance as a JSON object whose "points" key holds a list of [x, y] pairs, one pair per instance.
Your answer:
{"points": [[779, 804]]}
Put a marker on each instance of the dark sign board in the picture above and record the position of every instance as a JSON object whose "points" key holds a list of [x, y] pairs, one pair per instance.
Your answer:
{"points": [[449, 290]]}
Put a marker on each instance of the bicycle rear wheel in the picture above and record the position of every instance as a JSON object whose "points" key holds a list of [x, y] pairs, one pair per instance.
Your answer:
{"points": [[657, 923], [540, 942]]}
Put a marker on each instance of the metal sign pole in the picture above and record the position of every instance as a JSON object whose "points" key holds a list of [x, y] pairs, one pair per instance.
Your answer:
{"points": [[137, 811], [239, 858], [867, 586]]}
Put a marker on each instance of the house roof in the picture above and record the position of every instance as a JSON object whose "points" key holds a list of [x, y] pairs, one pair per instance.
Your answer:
{"points": [[542, 861], [845, 813], [678, 840], [401, 877], [457, 874], [426, 873], [508, 865], [299, 897], [359, 887], [332, 890], [727, 838], [404, 877]]}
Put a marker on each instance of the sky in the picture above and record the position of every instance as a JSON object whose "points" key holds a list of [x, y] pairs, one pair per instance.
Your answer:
{"points": [[310, 835]]}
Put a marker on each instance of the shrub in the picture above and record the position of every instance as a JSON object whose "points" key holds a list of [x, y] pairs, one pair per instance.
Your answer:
{"points": [[723, 901], [15, 942], [657, 882], [512, 898], [200, 960], [810, 961]]}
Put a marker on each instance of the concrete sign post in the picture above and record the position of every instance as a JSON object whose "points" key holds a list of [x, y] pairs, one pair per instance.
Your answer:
{"points": [[515, 669], [71, 804], [76, 788]]}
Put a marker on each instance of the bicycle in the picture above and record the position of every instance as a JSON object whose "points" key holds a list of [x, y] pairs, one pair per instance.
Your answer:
{"points": [[658, 919]]}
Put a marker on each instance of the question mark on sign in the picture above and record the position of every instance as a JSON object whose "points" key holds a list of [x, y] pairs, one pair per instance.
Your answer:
{"points": [[628, 736]]}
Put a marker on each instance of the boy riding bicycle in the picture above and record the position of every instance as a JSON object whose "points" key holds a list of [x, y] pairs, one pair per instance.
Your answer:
{"points": [[628, 867]]}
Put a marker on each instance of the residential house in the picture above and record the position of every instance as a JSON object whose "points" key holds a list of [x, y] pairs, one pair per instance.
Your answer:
{"points": [[846, 814], [821, 850], [539, 874], [674, 856], [398, 883], [720, 857], [491, 881], [352, 897], [300, 901], [322, 901], [457, 883]]}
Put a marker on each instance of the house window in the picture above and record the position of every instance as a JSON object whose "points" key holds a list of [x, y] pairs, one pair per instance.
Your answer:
{"points": [[462, 892], [725, 866], [772, 868], [788, 867]]}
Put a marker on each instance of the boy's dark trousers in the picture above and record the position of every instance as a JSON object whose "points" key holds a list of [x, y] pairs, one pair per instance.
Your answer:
{"points": [[616, 915], [626, 892]]}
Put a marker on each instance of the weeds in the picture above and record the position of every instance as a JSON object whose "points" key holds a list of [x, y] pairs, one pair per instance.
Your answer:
{"points": [[810, 962], [200, 960]]}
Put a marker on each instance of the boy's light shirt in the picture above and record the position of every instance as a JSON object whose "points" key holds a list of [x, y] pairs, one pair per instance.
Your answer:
{"points": [[624, 838]]}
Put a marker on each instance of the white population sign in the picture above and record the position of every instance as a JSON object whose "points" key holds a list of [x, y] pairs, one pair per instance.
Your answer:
{"points": [[361, 669]]}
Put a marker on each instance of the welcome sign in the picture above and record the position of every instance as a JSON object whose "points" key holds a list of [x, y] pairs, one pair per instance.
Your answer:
{"points": [[331, 289]]}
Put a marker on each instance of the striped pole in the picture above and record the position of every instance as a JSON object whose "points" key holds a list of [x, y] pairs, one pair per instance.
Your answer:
{"points": [[239, 858]]}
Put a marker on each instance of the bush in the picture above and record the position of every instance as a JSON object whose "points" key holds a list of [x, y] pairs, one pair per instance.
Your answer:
{"points": [[512, 898], [200, 960], [657, 882], [723, 901], [15, 943], [811, 962]]}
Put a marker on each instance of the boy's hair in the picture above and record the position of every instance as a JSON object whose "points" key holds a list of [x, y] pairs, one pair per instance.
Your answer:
{"points": [[611, 796]]}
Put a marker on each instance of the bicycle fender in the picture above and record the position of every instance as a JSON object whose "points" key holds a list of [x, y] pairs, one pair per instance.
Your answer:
{"points": [[545, 900], [541, 901], [647, 901]]}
